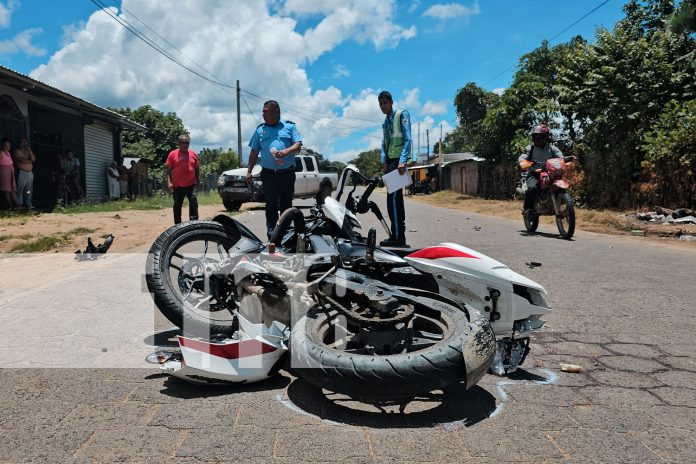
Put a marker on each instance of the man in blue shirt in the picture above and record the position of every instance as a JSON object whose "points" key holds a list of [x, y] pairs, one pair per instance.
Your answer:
{"points": [[396, 149], [277, 141]]}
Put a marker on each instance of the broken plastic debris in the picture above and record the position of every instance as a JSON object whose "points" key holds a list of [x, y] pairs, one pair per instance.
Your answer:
{"points": [[412, 230], [638, 232], [533, 264], [570, 367]]}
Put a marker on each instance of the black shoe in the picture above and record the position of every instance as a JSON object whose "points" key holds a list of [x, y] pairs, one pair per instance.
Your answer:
{"points": [[393, 242]]}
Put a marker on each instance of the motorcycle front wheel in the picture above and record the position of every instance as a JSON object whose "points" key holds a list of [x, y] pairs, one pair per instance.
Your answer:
{"points": [[565, 221], [193, 300], [531, 221], [330, 353]]}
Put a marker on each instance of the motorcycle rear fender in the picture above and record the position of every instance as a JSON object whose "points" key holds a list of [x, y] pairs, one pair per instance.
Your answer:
{"points": [[468, 277]]}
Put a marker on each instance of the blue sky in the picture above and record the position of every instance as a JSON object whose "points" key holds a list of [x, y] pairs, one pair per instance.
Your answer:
{"points": [[324, 60]]}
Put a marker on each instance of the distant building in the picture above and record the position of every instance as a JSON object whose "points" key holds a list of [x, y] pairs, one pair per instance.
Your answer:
{"points": [[460, 172], [54, 121]]}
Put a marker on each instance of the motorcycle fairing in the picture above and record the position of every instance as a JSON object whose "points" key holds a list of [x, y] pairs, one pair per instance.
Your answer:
{"points": [[249, 356], [337, 212], [471, 278]]}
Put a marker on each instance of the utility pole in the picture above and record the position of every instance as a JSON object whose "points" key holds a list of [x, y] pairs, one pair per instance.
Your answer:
{"points": [[439, 165], [418, 152], [427, 142], [239, 127]]}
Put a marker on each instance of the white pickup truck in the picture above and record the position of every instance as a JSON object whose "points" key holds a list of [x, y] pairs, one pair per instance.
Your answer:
{"points": [[308, 183]]}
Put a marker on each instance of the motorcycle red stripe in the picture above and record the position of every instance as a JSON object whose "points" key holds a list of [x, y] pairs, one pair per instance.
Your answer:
{"points": [[440, 252], [242, 349]]}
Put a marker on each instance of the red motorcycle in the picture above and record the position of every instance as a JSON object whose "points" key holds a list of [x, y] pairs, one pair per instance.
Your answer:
{"points": [[553, 198]]}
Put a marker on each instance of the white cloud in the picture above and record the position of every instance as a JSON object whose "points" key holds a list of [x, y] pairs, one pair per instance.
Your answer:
{"points": [[22, 43], [410, 101], [6, 10], [432, 108], [340, 71], [360, 20], [414, 6], [451, 10], [499, 90], [102, 62]]}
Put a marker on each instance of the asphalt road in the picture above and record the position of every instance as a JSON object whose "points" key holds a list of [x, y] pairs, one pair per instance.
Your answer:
{"points": [[623, 308]]}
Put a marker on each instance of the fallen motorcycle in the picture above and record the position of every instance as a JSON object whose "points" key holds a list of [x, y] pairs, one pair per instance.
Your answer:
{"points": [[357, 319], [553, 198]]}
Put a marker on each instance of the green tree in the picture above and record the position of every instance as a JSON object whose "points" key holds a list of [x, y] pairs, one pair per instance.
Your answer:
{"points": [[617, 88], [156, 141], [217, 160], [368, 162], [161, 131]]}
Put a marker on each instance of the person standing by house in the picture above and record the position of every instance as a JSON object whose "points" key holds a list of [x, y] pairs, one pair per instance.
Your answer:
{"points": [[123, 179], [8, 183], [71, 169], [134, 180], [183, 175], [112, 180], [277, 141], [396, 148], [24, 160]]}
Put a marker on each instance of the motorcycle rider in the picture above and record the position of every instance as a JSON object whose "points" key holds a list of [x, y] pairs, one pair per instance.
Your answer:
{"points": [[540, 151]]}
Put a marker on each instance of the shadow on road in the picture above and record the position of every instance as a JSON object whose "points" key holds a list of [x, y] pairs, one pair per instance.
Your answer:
{"points": [[164, 338], [524, 233], [178, 388], [456, 407]]}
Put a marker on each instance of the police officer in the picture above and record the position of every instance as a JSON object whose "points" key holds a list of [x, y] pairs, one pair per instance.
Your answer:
{"points": [[396, 149], [538, 153], [277, 141]]}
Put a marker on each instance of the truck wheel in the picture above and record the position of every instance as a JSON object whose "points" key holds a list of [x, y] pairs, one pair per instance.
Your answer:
{"points": [[232, 205]]}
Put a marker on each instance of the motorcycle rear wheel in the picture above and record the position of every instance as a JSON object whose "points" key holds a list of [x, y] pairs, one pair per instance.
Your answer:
{"points": [[531, 221], [435, 362], [566, 221], [173, 273]]}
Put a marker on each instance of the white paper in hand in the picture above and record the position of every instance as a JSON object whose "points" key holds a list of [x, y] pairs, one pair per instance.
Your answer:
{"points": [[395, 181]]}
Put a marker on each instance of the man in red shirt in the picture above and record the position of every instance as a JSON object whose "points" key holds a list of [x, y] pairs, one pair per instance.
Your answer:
{"points": [[182, 178]]}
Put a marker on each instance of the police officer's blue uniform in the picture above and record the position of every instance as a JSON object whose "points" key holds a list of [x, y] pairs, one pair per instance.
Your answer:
{"points": [[278, 176]]}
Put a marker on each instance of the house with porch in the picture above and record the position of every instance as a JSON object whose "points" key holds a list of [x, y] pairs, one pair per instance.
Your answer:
{"points": [[54, 121]]}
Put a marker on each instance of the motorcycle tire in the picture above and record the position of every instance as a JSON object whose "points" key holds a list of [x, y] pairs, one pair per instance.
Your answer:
{"points": [[566, 222], [531, 221], [381, 377], [163, 286]]}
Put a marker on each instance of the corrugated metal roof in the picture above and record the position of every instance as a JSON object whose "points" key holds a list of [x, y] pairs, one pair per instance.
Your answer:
{"points": [[82, 105]]}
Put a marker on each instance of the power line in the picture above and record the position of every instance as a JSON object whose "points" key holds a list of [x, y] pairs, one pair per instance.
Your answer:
{"points": [[150, 43], [285, 104], [552, 38], [130, 13], [336, 128], [299, 113]]}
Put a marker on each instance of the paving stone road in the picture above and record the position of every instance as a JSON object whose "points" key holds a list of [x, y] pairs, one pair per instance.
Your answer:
{"points": [[623, 308]]}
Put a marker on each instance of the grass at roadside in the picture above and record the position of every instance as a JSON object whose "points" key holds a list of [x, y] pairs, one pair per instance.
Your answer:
{"points": [[46, 242], [586, 219], [157, 201]]}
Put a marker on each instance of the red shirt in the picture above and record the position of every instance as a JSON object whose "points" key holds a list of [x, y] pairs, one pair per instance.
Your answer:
{"points": [[183, 167]]}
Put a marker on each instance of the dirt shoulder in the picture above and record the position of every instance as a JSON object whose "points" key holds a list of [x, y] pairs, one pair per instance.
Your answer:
{"points": [[599, 221], [132, 229]]}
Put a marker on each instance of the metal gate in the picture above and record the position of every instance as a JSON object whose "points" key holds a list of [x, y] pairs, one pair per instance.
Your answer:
{"points": [[99, 153]]}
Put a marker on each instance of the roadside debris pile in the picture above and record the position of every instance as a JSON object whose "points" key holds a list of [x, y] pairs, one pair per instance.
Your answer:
{"points": [[668, 216]]}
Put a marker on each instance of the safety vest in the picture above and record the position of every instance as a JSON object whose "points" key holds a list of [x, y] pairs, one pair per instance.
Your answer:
{"points": [[396, 138]]}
